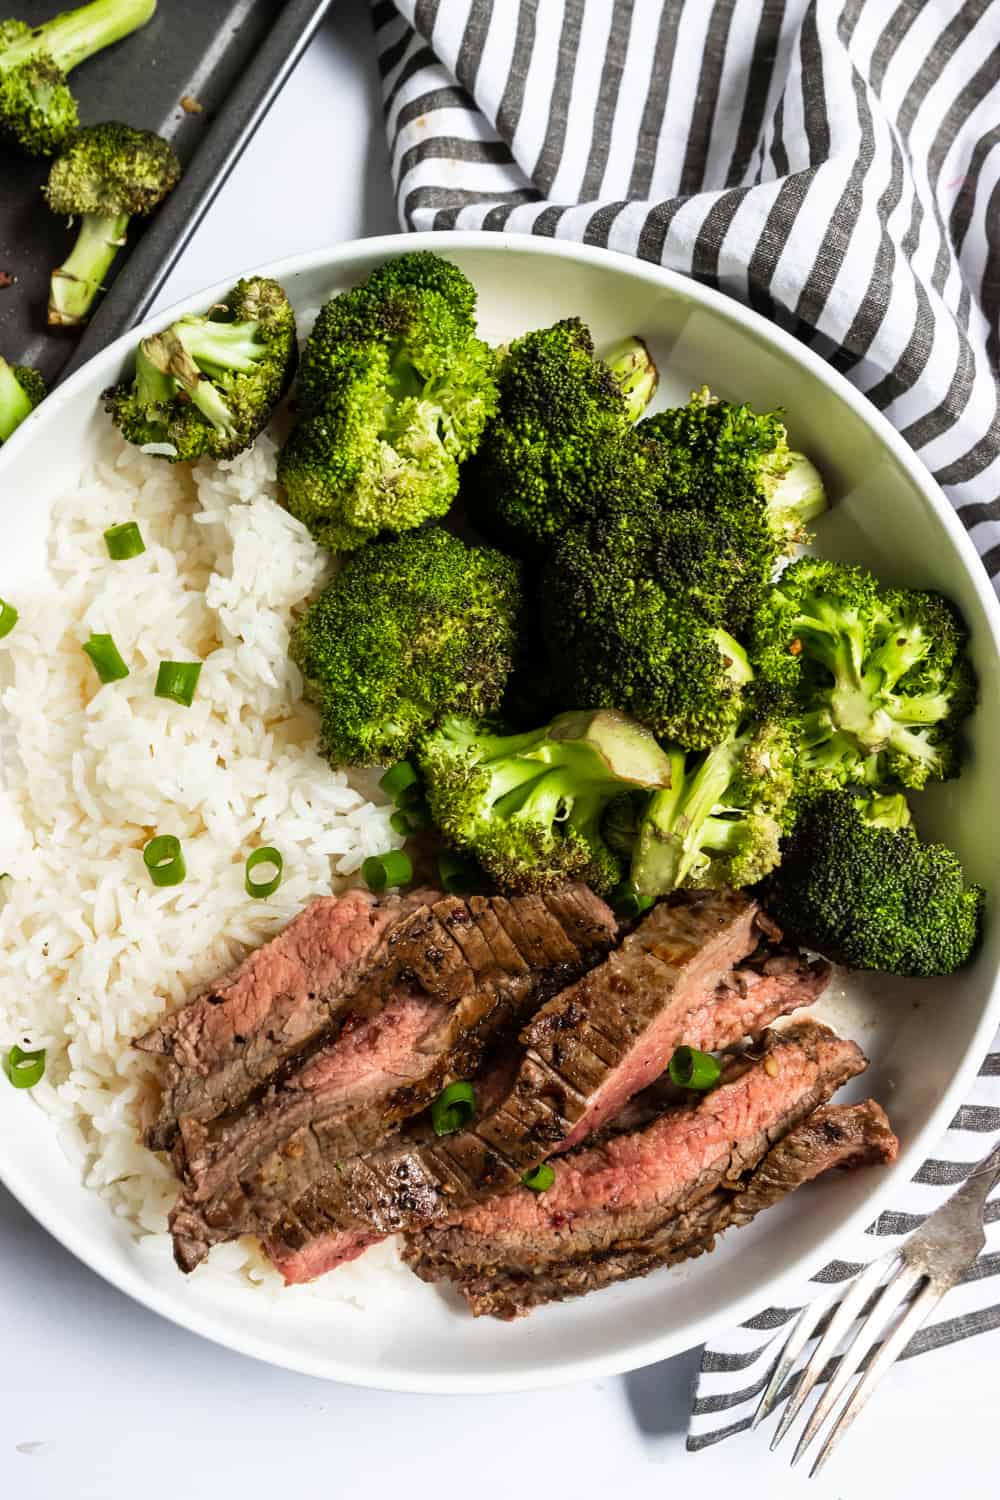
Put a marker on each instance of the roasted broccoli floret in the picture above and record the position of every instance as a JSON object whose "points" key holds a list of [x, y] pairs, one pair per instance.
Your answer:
{"points": [[105, 176], [394, 391], [37, 108], [620, 639], [733, 465], [877, 676], [21, 389], [208, 385], [529, 806], [408, 631], [858, 884], [562, 439], [720, 821]]}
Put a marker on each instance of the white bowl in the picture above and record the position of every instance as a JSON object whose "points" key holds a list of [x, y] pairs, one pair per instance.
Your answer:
{"points": [[925, 1039]]}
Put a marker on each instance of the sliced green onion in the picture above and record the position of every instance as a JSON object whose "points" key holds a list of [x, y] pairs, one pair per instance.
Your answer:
{"points": [[691, 1069], [458, 876], [381, 871], [24, 1069], [106, 658], [8, 618], [453, 1108], [164, 859], [397, 779], [262, 888], [178, 680], [539, 1179], [124, 541], [627, 902]]}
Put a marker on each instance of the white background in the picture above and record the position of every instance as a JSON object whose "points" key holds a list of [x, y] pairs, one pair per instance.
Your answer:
{"points": [[101, 1400]]}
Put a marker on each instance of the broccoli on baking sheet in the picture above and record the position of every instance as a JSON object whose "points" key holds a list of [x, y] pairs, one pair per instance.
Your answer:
{"points": [[21, 389], [208, 385], [106, 175], [394, 391], [37, 108]]}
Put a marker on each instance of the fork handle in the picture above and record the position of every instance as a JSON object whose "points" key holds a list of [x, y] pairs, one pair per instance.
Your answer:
{"points": [[988, 1170]]}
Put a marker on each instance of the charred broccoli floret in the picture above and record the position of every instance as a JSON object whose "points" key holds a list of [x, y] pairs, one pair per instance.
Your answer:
{"points": [[105, 176], [394, 391], [620, 639], [562, 439], [877, 676], [208, 385], [529, 806], [408, 631], [721, 819], [37, 108], [21, 389], [858, 884]]}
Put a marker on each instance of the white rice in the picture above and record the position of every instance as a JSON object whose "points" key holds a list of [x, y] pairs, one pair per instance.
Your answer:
{"points": [[92, 952]]}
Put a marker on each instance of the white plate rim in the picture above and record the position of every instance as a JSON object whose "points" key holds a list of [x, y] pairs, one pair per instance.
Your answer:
{"points": [[636, 1353]]}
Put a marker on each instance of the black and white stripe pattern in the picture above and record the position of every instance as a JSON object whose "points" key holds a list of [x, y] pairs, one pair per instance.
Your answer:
{"points": [[833, 163]]}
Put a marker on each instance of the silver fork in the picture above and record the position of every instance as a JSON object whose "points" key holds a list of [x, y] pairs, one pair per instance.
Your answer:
{"points": [[929, 1264]]}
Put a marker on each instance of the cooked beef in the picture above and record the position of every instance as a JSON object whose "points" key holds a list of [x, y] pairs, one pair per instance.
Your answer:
{"points": [[228, 1041], [601, 1040], [849, 1135], [451, 975]]}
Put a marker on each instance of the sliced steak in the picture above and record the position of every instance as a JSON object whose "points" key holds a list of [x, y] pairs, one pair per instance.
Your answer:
{"points": [[413, 1183], [850, 1135], [228, 1041], [452, 975]]}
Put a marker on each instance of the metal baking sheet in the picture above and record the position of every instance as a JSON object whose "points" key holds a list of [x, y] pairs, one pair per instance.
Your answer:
{"points": [[232, 57]]}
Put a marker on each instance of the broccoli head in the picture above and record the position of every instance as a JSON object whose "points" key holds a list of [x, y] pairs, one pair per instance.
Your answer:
{"points": [[562, 440], [857, 884], [530, 806], [878, 676], [721, 819], [208, 385], [394, 391], [620, 639], [37, 108], [21, 389], [408, 631], [105, 176]]}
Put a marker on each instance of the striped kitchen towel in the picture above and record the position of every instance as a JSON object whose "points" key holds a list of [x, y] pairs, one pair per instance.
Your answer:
{"points": [[833, 163]]}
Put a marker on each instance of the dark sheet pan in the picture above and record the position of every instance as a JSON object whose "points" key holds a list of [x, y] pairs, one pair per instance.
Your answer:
{"points": [[232, 56]]}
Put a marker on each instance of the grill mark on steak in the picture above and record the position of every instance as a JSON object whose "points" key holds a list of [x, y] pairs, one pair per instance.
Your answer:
{"points": [[421, 1017], [847, 1136], [414, 1183], [230, 1040]]}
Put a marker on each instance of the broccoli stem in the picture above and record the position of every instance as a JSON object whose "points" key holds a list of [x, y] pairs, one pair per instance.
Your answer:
{"points": [[219, 348], [15, 404], [70, 38], [166, 353], [798, 499], [152, 387], [738, 667], [887, 812], [633, 367], [76, 283]]}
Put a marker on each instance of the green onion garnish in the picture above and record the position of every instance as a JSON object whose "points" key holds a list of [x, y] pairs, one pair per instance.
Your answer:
{"points": [[178, 680], [539, 1179], [267, 887], [626, 901], [381, 871], [124, 541], [164, 860], [400, 823], [397, 779], [453, 1108], [458, 876], [691, 1069], [106, 658], [411, 816], [8, 618], [24, 1069]]}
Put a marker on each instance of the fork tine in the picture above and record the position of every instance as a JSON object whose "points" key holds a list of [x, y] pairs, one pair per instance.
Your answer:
{"points": [[802, 1331], [853, 1301], [916, 1314], [901, 1283]]}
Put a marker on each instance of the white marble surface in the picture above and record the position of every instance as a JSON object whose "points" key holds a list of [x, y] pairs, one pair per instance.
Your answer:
{"points": [[101, 1400]]}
